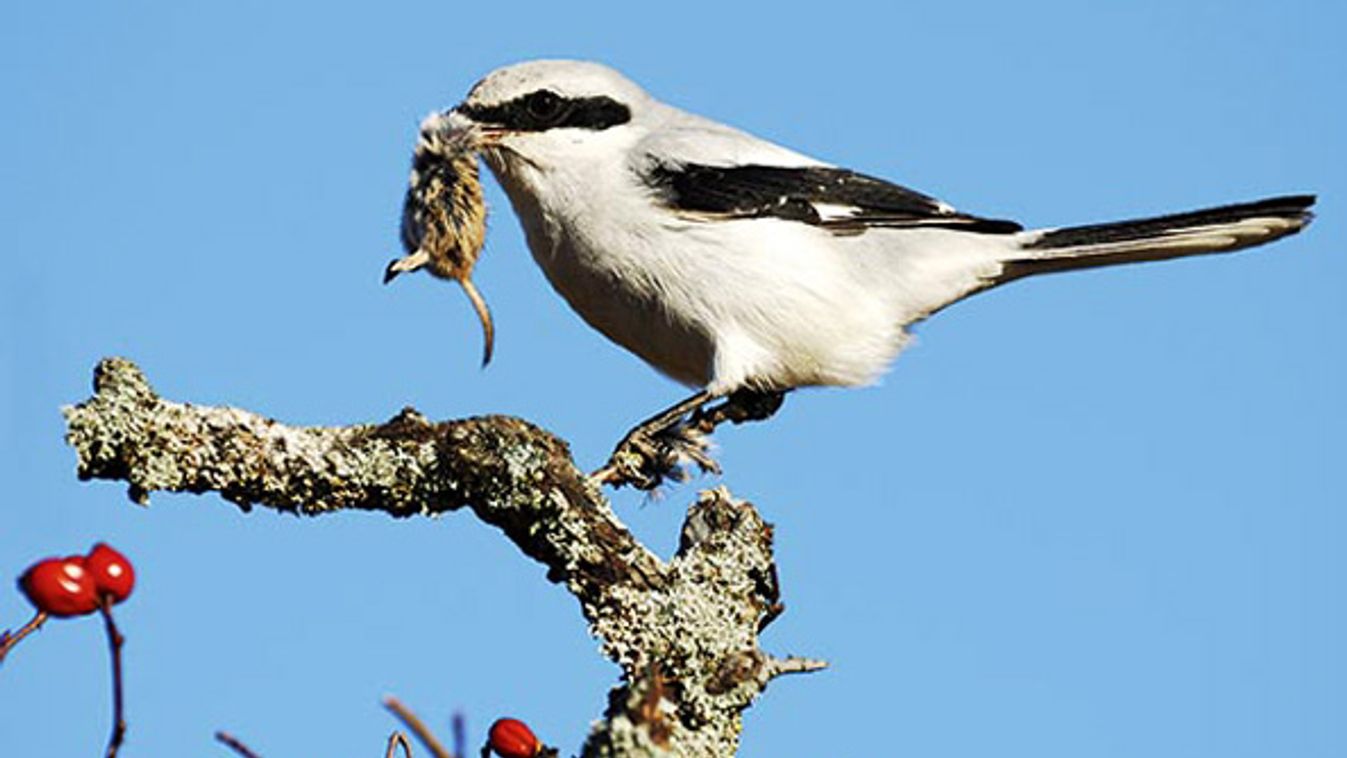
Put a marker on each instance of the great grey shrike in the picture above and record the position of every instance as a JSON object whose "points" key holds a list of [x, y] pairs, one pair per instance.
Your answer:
{"points": [[746, 269]]}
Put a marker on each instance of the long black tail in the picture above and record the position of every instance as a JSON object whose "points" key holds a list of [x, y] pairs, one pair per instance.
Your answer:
{"points": [[1214, 230]]}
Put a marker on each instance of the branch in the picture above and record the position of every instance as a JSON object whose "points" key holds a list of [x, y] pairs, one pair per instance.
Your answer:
{"points": [[235, 744], [685, 632], [8, 640], [417, 727], [396, 740]]}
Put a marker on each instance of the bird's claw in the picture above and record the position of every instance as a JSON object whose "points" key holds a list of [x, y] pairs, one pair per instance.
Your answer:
{"points": [[645, 459]]}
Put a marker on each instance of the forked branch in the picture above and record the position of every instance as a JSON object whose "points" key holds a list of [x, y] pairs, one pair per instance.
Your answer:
{"points": [[684, 631]]}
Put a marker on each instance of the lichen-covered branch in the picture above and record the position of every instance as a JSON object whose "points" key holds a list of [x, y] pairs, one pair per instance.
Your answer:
{"points": [[685, 632]]}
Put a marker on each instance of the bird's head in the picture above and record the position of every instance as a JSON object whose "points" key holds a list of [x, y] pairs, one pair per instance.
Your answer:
{"points": [[549, 113], [535, 122]]}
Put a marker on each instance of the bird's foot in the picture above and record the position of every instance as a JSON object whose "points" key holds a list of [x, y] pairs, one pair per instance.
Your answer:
{"points": [[647, 456], [664, 447]]}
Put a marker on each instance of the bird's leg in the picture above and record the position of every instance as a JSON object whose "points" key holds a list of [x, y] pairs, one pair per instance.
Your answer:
{"points": [[742, 405], [656, 447]]}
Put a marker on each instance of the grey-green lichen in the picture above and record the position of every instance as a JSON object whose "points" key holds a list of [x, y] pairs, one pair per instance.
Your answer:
{"points": [[684, 632]]}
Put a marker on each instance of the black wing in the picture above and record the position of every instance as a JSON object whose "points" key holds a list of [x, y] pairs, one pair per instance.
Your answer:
{"points": [[834, 198]]}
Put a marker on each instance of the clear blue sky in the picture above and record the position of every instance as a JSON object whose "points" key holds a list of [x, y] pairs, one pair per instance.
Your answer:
{"points": [[1097, 514]]}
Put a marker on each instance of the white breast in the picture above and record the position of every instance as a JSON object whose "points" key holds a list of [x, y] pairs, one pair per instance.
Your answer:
{"points": [[607, 267]]}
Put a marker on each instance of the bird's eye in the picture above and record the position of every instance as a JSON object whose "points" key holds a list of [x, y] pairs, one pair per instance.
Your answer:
{"points": [[544, 105]]}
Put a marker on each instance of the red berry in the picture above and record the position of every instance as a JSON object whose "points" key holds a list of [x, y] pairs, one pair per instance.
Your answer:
{"points": [[512, 738], [112, 573], [60, 587]]}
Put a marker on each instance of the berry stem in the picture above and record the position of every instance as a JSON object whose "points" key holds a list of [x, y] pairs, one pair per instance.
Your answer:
{"points": [[8, 641], [115, 641]]}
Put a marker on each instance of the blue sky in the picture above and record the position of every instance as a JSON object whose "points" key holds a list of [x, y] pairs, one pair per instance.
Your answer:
{"points": [[1096, 514]]}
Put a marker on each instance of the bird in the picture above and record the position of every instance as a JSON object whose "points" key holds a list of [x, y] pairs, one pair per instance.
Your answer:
{"points": [[745, 269]]}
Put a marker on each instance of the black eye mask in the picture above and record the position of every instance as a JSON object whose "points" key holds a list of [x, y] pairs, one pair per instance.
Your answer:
{"points": [[544, 109]]}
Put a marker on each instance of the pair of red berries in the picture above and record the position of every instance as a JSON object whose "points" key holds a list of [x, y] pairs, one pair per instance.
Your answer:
{"points": [[76, 585]]}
